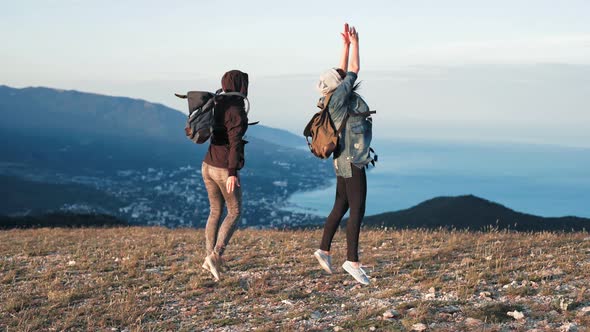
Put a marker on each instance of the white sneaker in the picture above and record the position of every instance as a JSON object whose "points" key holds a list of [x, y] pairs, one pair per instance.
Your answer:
{"points": [[358, 273], [212, 267], [324, 260]]}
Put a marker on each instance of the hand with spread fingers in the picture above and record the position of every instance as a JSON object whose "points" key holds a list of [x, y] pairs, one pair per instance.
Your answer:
{"points": [[353, 35], [345, 35]]}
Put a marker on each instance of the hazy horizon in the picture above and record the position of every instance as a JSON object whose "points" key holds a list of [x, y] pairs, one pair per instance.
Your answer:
{"points": [[459, 71], [530, 104]]}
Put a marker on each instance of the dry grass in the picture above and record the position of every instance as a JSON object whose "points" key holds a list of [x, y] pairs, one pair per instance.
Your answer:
{"points": [[150, 279]]}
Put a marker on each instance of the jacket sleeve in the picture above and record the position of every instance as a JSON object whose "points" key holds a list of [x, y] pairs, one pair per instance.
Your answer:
{"points": [[339, 98], [235, 125], [341, 93]]}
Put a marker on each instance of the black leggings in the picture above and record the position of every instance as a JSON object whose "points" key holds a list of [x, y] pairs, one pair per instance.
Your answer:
{"points": [[350, 193]]}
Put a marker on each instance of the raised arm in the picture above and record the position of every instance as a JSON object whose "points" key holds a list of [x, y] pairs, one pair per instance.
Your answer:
{"points": [[345, 49], [355, 62]]}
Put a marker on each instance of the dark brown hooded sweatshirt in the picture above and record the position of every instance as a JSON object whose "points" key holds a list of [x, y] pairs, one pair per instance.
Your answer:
{"points": [[226, 149]]}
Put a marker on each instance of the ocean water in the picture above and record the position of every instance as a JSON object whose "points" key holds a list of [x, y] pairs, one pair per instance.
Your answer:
{"points": [[550, 181]]}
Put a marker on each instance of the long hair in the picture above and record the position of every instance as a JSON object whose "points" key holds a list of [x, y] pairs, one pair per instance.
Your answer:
{"points": [[342, 74], [357, 86]]}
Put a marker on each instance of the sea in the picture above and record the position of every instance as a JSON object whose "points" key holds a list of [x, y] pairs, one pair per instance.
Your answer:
{"points": [[544, 180]]}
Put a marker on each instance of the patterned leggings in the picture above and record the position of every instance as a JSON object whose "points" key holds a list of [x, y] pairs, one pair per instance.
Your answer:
{"points": [[217, 236]]}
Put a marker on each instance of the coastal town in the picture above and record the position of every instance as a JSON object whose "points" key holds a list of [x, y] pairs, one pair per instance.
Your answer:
{"points": [[177, 198]]}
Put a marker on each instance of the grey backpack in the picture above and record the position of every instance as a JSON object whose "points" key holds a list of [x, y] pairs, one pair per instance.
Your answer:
{"points": [[201, 107]]}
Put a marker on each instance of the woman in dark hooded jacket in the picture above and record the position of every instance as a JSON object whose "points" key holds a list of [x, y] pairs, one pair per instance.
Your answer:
{"points": [[224, 158]]}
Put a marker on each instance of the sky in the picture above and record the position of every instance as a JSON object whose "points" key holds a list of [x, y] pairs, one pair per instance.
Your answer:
{"points": [[454, 70]]}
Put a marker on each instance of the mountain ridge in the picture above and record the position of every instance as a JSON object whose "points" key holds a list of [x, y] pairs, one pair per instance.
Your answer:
{"points": [[113, 128], [471, 212], [136, 152], [111, 104]]}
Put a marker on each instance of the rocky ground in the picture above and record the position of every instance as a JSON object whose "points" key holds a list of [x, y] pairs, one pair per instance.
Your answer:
{"points": [[150, 279]]}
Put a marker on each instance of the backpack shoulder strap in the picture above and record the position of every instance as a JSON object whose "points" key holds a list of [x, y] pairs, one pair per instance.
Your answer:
{"points": [[343, 124], [327, 101], [239, 95], [325, 108], [365, 114]]}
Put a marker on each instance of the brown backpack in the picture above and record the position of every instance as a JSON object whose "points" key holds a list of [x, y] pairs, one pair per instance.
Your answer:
{"points": [[321, 130]]}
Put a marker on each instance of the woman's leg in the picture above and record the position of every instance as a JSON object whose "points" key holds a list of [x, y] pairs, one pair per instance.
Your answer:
{"points": [[230, 223], [338, 211], [216, 202], [233, 202], [356, 190]]}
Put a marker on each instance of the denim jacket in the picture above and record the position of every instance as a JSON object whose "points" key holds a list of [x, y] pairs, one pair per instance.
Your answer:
{"points": [[355, 138]]}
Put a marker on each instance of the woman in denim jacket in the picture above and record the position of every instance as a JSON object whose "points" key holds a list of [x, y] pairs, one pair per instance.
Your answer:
{"points": [[350, 158]]}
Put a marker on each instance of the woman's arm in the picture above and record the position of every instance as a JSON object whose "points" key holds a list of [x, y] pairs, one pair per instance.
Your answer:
{"points": [[234, 124], [355, 63], [346, 48]]}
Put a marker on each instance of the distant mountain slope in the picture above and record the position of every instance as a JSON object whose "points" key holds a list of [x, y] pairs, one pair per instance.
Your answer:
{"points": [[61, 220], [30, 197], [71, 130], [471, 212], [87, 113], [277, 136], [53, 109], [92, 153]]}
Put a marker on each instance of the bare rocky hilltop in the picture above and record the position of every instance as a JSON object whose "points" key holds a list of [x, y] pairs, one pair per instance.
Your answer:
{"points": [[150, 279]]}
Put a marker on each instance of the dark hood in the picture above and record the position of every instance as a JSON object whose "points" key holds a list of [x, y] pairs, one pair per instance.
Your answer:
{"points": [[235, 81]]}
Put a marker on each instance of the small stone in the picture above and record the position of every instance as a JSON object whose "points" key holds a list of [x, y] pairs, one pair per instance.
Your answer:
{"points": [[444, 316], [372, 328], [515, 314], [71, 263], [431, 295], [450, 309], [287, 302], [389, 314], [512, 284], [316, 315], [585, 311], [485, 295], [412, 312], [337, 328], [473, 322], [565, 304], [568, 327], [419, 327], [467, 261]]}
